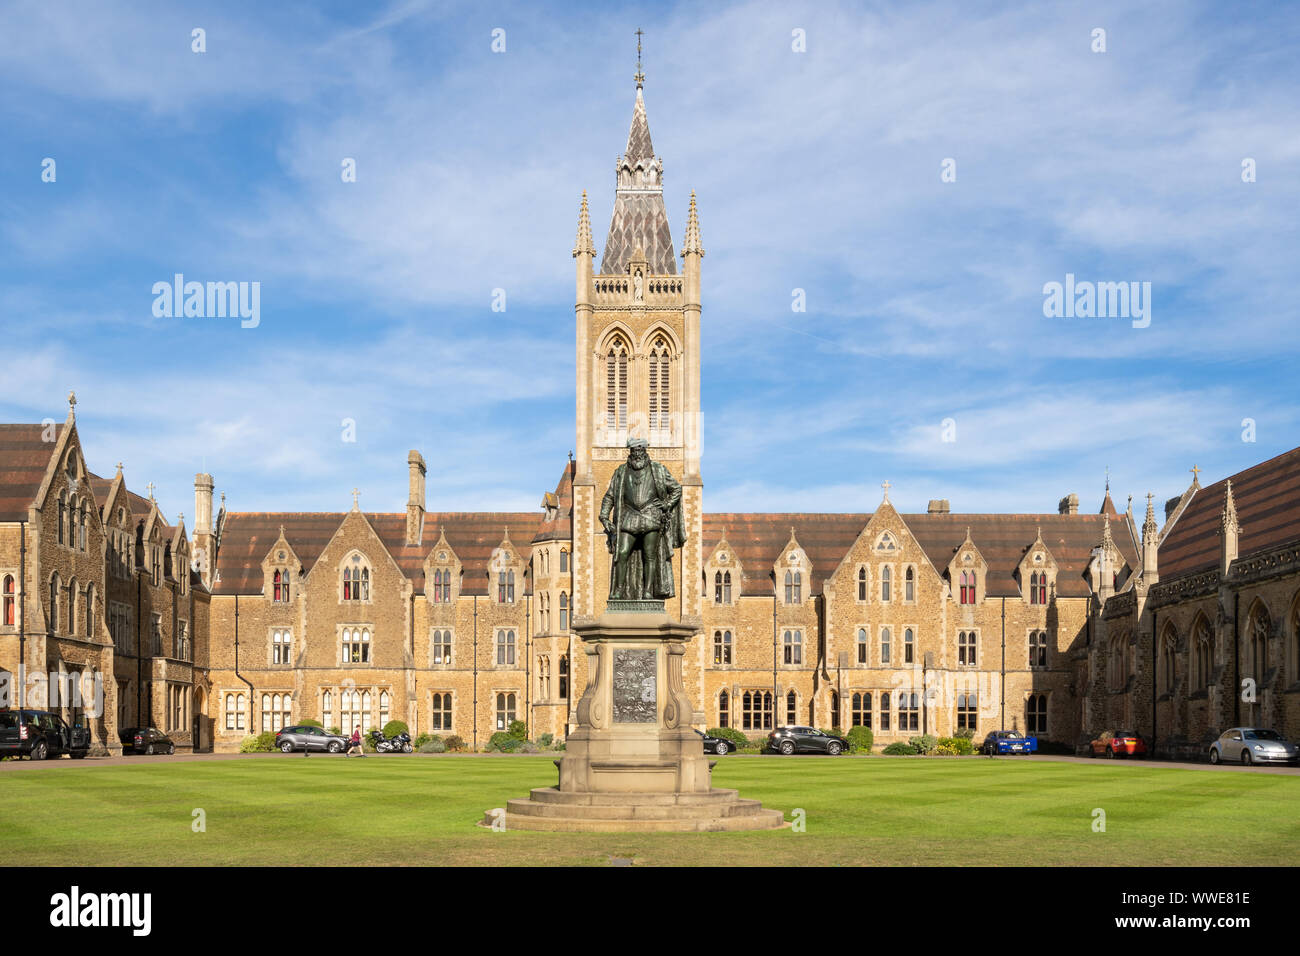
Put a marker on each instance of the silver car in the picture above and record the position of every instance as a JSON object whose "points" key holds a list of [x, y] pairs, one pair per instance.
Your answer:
{"points": [[309, 738], [1253, 745]]}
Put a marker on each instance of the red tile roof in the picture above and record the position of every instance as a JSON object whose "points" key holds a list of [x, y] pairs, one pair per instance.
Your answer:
{"points": [[246, 537], [1268, 511], [24, 458], [758, 539]]}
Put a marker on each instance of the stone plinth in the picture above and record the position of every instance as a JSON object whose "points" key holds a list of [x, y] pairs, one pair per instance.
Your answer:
{"points": [[635, 762]]}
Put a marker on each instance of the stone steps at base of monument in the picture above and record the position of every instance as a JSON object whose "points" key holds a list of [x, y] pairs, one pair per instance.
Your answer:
{"points": [[711, 798], [762, 820], [631, 810]]}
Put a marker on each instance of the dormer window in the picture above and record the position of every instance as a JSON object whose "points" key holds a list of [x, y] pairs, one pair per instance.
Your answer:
{"points": [[356, 580], [968, 587], [441, 592], [1038, 587], [505, 587], [722, 587], [280, 587], [793, 587]]}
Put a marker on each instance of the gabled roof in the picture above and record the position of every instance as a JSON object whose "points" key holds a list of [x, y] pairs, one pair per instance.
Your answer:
{"points": [[24, 461], [1268, 508], [759, 539], [248, 536]]}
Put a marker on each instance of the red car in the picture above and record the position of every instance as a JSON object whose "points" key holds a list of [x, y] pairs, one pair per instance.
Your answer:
{"points": [[1118, 743]]}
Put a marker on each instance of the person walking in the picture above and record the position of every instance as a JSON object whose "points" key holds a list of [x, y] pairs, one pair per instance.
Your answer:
{"points": [[355, 742]]}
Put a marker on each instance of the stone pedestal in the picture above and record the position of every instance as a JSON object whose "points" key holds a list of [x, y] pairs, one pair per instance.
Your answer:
{"points": [[635, 763]]}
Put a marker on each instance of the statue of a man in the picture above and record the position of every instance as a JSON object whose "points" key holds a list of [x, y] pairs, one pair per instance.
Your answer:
{"points": [[642, 517]]}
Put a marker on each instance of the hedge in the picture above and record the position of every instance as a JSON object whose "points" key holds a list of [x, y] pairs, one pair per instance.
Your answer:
{"points": [[731, 735], [861, 738], [395, 727]]}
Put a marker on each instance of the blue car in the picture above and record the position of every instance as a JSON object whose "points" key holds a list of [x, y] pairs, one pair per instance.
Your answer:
{"points": [[1008, 742]]}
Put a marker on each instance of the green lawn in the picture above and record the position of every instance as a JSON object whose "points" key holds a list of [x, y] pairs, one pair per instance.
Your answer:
{"points": [[422, 810]]}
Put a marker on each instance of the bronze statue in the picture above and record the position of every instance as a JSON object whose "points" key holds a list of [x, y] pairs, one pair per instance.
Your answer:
{"points": [[642, 517]]}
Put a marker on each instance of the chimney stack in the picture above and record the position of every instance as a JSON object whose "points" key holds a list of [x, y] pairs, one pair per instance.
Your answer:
{"points": [[938, 506], [1069, 505], [415, 499], [203, 504]]}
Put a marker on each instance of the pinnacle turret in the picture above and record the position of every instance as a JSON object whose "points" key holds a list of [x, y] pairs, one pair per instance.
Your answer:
{"points": [[583, 244], [691, 243]]}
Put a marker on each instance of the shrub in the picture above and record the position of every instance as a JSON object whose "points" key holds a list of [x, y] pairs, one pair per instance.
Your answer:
{"points": [[395, 727], [760, 741], [967, 732], [456, 743], [528, 747], [831, 731], [954, 747], [861, 738], [560, 745], [336, 731], [546, 741], [731, 735], [924, 744], [421, 740], [262, 743], [308, 722], [503, 742], [899, 749], [518, 730], [434, 745]]}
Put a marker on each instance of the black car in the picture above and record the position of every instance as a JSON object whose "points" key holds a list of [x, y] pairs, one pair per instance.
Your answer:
{"points": [[38, 734], [716, 745], [309, 738], [145, 740], [805, 740]]}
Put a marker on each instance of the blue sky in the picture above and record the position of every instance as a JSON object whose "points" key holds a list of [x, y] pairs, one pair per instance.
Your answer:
{"points": [[815, 170]]}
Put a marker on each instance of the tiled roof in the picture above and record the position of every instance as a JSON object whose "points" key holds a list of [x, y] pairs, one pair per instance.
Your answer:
{"points": [[1268, 509], [24, 458], [758, 539], [639, 220], [248, 536]]}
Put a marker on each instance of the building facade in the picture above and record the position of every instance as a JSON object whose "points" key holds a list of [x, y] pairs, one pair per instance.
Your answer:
{"points": [[1060, 624]]}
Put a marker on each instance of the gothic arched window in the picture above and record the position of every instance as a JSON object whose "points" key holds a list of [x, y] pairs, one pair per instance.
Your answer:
{"points": [[616, 385], [660, 402]]}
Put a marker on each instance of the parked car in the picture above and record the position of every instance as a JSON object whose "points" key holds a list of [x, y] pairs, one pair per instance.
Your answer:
{"points": [[38, 734], [146, 740], [1254, 745], [1008, 742], [716, 745], [791, 740], [1118, 743], [309, 738]]}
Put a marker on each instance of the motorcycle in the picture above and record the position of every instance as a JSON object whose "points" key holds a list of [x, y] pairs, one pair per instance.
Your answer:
{"points": [[401, 743]]}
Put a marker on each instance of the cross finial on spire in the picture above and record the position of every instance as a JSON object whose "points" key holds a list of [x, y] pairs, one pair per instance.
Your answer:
{"points": [[1196, 474], [1108, 477], [886, 485], [119, 467], [150, 486], [356, 500], [640, 77], [72, 404]]}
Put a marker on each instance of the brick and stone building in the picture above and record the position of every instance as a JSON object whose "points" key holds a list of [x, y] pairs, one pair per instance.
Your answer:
{"points": [[1062, 623]]}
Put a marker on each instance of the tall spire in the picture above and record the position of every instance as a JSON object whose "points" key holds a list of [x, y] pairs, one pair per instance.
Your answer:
{"points": [[691, 243], [640, 220], [1229, 530], [583, 245]]}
